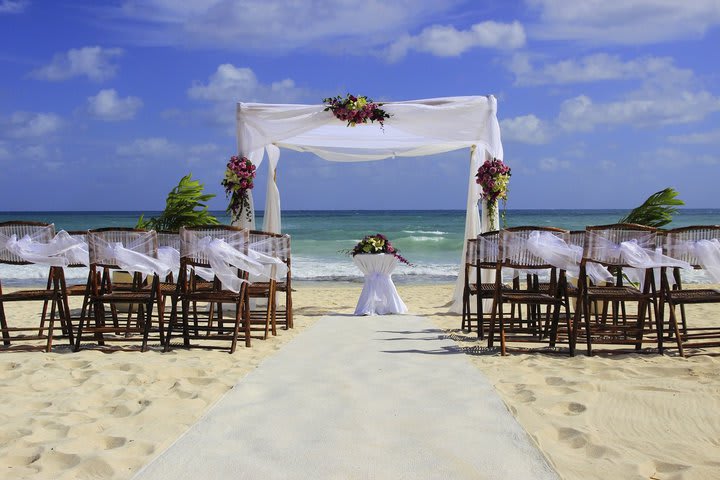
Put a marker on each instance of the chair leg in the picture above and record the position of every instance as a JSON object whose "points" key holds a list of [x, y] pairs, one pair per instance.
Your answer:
{"points": [[480, 316], [676, 329], [503, 350]]}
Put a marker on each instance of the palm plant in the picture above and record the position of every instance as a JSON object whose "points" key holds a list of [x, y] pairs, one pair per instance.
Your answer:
{"points": [[185, 206], [656, 211]]}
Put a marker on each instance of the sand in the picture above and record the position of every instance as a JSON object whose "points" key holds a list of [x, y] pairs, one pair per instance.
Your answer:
{"points": [[98, 415]]}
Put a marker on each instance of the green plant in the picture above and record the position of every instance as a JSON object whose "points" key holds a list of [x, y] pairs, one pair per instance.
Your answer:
{"points": [[657, 210], [185, 207]]}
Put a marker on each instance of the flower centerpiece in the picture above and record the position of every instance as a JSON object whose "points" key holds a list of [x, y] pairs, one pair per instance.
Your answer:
{"points": [[238, 181], [354, 110], [377, 243], [493, 177]]}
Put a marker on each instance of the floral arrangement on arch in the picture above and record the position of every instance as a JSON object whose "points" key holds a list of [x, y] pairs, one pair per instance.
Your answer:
{"points": [[493, 176], [377, 243], [354, 110], [238, 181]]}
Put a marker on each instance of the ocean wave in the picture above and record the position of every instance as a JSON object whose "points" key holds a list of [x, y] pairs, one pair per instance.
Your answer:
{"points": [[426, 232], [425, 239]]}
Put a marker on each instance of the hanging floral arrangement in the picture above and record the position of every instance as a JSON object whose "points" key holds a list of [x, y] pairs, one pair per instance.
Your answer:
{"points": [[354, 110], [493, 176], [238, 181]]}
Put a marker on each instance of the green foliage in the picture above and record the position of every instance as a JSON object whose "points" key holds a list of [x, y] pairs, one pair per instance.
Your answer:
{"points": [[185, 207], [657, 210]]}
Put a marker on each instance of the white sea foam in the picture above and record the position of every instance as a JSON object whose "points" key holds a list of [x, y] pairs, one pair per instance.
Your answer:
{"points": [[426, 232], [426, 239]]}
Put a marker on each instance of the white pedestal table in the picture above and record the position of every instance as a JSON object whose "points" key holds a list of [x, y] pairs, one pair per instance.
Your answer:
{"points": [[378, 296]]}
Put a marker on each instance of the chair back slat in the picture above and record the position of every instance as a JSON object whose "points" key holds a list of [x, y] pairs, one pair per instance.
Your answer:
{"points": [[78, 235], [279, 247], [599, 238], [40, 232], [513, 249], [236, 237], [169, 239], [676, 241], [141, 241]]}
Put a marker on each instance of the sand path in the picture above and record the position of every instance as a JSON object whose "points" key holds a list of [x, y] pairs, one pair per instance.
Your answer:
{"points": [[358, 397]]}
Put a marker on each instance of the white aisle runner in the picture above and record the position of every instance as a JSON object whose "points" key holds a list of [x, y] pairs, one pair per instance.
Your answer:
{"points": [[358, 398]]}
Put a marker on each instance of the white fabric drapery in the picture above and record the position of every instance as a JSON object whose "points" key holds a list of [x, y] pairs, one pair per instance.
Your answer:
{"points": [[415, 128], [378, 296]]}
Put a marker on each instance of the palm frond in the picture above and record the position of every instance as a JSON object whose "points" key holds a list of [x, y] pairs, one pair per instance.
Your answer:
{"points": [[656, 211], [185, 206]]}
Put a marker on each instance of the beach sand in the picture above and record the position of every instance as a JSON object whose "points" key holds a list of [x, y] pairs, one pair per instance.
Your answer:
{"points": [[104, 415]]}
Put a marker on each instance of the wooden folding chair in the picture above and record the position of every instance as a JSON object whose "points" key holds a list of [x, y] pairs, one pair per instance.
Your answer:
{"points": [[210, 326], [513, 253], [603, 307], [481, 254], [54, 294], [262, 291], [104, 246], [682, 244]]}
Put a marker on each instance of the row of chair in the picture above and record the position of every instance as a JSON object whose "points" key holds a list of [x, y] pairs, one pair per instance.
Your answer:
{"points": [[184, 269], [602, 271]]}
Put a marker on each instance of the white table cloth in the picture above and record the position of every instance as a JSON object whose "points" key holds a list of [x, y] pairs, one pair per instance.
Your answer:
{"points": [[378, 296]]}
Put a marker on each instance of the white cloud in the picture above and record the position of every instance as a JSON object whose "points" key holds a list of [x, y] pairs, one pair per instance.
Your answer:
{"points": [[160, 147], [277, 26], [627, 22], [4, 151], [593, 68], [674, 159], [92, 62], [108, 106], [525, 129], [642, 109], [711, 137], [232, 84], [30, 125], [149, 147], [13, 6], [552, 164], [447, 41]]}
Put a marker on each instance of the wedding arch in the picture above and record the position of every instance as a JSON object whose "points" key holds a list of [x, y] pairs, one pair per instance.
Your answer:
{"points": [[415, 128]]}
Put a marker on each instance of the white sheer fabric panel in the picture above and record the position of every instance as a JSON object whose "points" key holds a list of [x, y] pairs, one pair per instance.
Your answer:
{"points": [[418, 127], [136, 254], [270, 253], [378, 296], [224, 255], [271, 221], [639, 253], [707, 254], [35, 248], [474, 225]]}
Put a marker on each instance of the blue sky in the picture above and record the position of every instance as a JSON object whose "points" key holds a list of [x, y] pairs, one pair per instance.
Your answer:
{"points": [[104, 105]]}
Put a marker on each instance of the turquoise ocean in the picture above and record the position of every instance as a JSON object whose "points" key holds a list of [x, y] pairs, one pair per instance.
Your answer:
{"points": [[430, 239]]}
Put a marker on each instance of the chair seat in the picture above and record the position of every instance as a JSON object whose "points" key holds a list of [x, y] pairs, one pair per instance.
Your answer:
{"points": [[223, 296], [22, 295], [530, 297], [128, 297], [703, 295], [616, 293], [487, 288]]}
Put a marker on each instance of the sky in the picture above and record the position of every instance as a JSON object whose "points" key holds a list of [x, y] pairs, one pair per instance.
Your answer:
{"points": [[105, 105]]}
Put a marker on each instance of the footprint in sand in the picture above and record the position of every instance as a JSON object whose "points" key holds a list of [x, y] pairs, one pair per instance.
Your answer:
{"points": [[574, 408], [59, 461], [572, 437], [93, 468]]}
